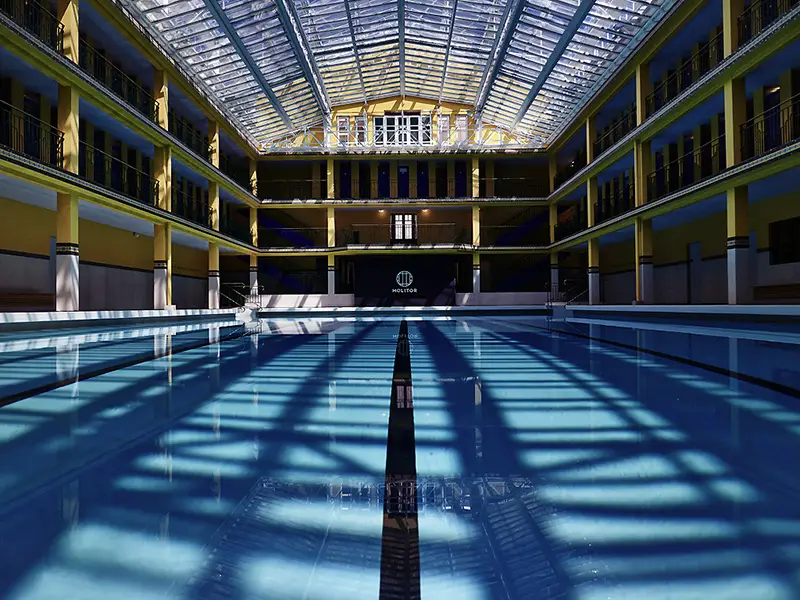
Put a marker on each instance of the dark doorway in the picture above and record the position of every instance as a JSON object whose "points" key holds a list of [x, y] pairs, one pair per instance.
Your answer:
{"points": [[461, 179], [403, 182], [364, 182], [345, 180], [422, 179], [383, 180]]}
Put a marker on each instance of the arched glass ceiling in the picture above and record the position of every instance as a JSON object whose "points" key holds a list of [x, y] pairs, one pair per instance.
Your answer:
{"points": [[275, 67]]}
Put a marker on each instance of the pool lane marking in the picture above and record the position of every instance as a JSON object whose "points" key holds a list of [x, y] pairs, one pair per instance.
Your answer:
{"points": [[54, 385], [752, 379], [400, 566]]}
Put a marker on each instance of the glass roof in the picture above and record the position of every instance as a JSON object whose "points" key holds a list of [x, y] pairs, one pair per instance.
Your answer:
{"points": [[276, 67]]}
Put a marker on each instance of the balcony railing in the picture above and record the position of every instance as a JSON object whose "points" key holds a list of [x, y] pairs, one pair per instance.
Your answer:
{"points": [[759, 15], [192, 209], [293, 237], [427, 233], [619, 128], [515, 187], [564, 173], [237, 169], [37, 20], [291, 189], [112, 77], [692, 69], [692, 167], [26, 135], [776, 127], [621, 200], [236, 229], [571, 221], [191, 138], [111, 173], [513, 235]]}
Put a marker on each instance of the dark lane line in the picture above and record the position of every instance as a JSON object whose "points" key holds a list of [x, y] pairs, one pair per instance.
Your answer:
{"points": [[400, 569], [136, 360]]}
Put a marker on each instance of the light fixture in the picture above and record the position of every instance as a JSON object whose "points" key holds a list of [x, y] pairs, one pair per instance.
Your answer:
{"points": [[381, 211], [425, 210]]}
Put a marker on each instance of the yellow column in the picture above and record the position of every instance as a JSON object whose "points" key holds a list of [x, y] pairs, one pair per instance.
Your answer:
{"points": [[731, 10], [552, 168], [644, 260], [393, 169], [642, 167], [316, 177], [591, 200], [162, 266], [67, 253], [214, 204], [476, 273], [161, 95], [412, 179], [254, 176], [18, 120], [254, 226], [476, 225], [476, 177], [331, 220], [68, 15], [162, 170], [213, 275], [739, 287], [451, 178], [373, 179], [432, 179], [591, 136], [253, 257], [213, 142], [68, 102], [330, 188], [735, 115], [643, 90], [489, 179]]}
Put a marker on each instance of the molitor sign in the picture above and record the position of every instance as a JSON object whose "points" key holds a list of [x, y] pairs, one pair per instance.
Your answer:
{"points": [[409, 280]]}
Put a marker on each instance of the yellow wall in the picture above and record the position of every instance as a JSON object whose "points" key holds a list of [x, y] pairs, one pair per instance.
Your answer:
{"points": [[26, 228]]}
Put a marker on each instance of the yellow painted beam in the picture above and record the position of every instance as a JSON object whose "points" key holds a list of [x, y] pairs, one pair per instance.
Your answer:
{"points": [[476, 225], [331, 221], [330, 179], [254, 226]]}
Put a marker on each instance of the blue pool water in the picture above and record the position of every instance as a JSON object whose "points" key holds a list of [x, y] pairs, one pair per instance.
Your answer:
{"points": [[477, 458]]}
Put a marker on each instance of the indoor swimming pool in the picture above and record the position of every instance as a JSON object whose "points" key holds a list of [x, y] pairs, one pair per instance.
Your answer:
{"points": [[471, 458]]}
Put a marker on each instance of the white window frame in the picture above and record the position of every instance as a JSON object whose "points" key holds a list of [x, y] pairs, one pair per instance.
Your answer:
{"points": [[462, 129], [404, 227], [343, 130], [403, 130], [444, 130]]}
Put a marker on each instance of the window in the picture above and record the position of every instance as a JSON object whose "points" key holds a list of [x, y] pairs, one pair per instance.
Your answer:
{"points": [[404, 228], [444, 129], [402, 130], [784, 241], [343, 130], [462, 132], [361, 130]]}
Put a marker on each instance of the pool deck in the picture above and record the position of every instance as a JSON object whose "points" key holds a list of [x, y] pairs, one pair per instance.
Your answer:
{"points": [[21, 321]]}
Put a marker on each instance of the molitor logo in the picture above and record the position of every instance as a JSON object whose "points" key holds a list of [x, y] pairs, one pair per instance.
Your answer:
{"points": [[404, 280]]}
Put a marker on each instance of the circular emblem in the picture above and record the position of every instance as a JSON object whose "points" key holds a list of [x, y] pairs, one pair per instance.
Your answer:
{"points": [[404, 279]]}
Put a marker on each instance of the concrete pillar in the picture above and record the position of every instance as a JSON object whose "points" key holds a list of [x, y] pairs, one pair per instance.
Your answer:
{"points": [[373, 179], [591, 136], [476, 225], [476, 273], [476, 177], [735, 116], [331, 274], [162, 266], [316, 183], [644, 261], [254, 176], [214, 204], [642, 167], [739, 286], [643, 89], [412, 179], [731, 10], [254, 289], [162, 170], [330, 188], [213, 142], [213, 275], [489, 178], [451, 178], [554, 275], [68, 104], [161, 95], [68, 15], [67, 253], [432, 179], [594, 271]]}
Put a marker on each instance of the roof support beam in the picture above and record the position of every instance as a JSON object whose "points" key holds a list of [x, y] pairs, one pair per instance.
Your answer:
{"points": [[215, 9], [511, 17], [355, 48], [447, 51], [297, 38], [572, 27], [401, 35]]}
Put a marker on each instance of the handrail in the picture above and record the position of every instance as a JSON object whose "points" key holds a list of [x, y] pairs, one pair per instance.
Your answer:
{"points": [[775, 127], [615, 204], [577, 163], [117, 175], [101, 69], [27, 135], [759, 15], [620, 126], [37, 20], [193, 139], [194, 210], [708, 158]]}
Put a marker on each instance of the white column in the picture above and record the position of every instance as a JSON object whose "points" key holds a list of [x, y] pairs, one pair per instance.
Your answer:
{"points": [[594, 285], [476, 275], [646, 279], [213, 289], [67, 279], [160, 284]]}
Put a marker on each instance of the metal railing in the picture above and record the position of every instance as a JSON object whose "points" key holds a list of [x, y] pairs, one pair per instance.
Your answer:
{"points": [[26, 135], [193, 139], [621, 200], [515, 187], [237, 169], [34, 18], [694, 166], [102, 70], [571, 221], [759, 15], [111, 173], [293, 237], [427, 233], [192, 209], [619, 127], [513, 235], [698, 64], [776, 127], [234, 228], [292, 189], [564, 173]]}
